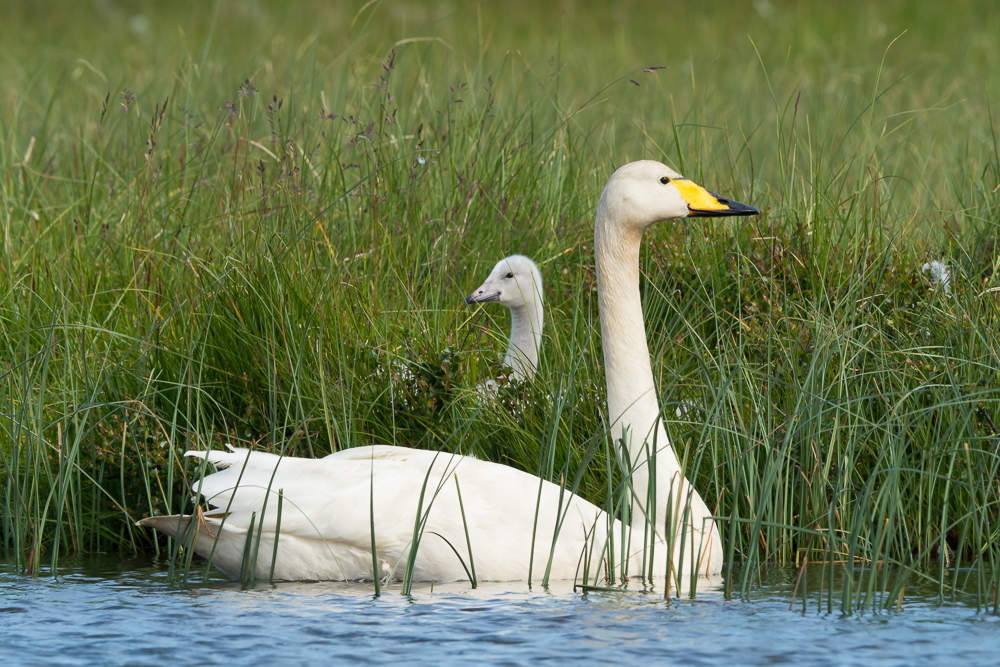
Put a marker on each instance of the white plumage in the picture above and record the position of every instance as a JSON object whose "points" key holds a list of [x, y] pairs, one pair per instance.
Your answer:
{"points": [[326, 527], [516, 283]]}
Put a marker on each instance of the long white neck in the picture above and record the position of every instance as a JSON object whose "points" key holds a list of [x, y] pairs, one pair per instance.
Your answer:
{"points": [[632, 398], [525, 339]]}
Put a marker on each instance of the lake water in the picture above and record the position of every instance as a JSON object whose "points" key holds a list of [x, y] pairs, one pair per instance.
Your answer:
{"points": [[120, 610]]}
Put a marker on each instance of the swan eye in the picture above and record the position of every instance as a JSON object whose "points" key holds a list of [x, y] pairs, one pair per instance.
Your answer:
{"points": [[664, 180], [510, 275]]}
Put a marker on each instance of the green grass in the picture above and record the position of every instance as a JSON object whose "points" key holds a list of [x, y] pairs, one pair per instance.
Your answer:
{"points": [[245, 247]]}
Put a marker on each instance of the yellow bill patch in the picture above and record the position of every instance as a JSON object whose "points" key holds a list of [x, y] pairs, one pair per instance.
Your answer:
{"points": [[697, 197]]}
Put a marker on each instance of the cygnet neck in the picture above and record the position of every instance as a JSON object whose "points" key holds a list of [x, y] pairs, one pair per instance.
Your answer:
{"points": [[525, 338]]}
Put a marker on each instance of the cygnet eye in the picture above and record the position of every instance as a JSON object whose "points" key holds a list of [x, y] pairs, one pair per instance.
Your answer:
{"points": [[510, 275], [664, 180]]}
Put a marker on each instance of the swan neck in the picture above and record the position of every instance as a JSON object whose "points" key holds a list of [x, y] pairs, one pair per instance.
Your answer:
{"points": [[525, 339], [633, 406]]}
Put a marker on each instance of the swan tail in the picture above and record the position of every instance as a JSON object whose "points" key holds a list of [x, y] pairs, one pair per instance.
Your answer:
{"points": [[171, 526], [179, 526]]}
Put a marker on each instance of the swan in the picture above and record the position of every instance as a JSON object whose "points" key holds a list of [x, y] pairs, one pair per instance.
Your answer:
{"points": [[465, 513], [515, 282]]}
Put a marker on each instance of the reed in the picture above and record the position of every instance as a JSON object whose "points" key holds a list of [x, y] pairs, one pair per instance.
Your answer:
{"points": [[258, 230]]}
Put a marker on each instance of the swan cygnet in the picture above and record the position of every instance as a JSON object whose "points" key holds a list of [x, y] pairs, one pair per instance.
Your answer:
{"points": [[335, 510], [515, 282]]}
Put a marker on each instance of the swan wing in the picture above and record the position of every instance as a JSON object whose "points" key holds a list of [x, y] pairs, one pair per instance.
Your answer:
{"points": [[510, 520]]}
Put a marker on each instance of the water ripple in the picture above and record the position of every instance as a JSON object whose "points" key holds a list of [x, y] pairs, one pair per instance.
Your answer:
{"points": [[124, 611]]}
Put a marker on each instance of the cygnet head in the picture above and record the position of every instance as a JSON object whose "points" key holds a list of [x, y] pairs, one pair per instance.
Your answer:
{"points": [[645, 192], [514, 282]]}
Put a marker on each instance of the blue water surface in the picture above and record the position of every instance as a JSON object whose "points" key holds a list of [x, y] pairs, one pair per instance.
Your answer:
{"points": [[125, 611]]}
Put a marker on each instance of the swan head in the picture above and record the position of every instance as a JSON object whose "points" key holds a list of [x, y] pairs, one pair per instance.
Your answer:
{"points": [[514, 282], [642, 193]]}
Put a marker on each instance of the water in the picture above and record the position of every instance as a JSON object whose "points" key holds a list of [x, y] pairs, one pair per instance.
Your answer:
{"points": [[116, 610]]}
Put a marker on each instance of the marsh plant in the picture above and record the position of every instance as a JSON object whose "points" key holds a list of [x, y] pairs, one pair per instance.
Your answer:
{"points": [[213, 244]]}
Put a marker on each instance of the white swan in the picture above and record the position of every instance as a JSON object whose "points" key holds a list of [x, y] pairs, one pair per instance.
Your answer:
{"points": [[516, 523], [515, 282]]}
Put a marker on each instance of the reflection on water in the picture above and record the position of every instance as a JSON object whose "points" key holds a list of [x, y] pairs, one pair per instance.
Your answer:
{"points": [[119, 610]]}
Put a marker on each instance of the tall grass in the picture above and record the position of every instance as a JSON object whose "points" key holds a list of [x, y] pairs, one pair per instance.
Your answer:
{"points": [[257, 228]]}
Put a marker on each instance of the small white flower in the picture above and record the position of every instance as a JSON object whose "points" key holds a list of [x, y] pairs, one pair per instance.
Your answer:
{"points": [[939, 274], [139, 24], [764, 7], [421, 160]]}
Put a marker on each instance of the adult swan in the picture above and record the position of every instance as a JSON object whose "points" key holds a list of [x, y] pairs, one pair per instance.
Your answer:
{"points": [[427, 510]]}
